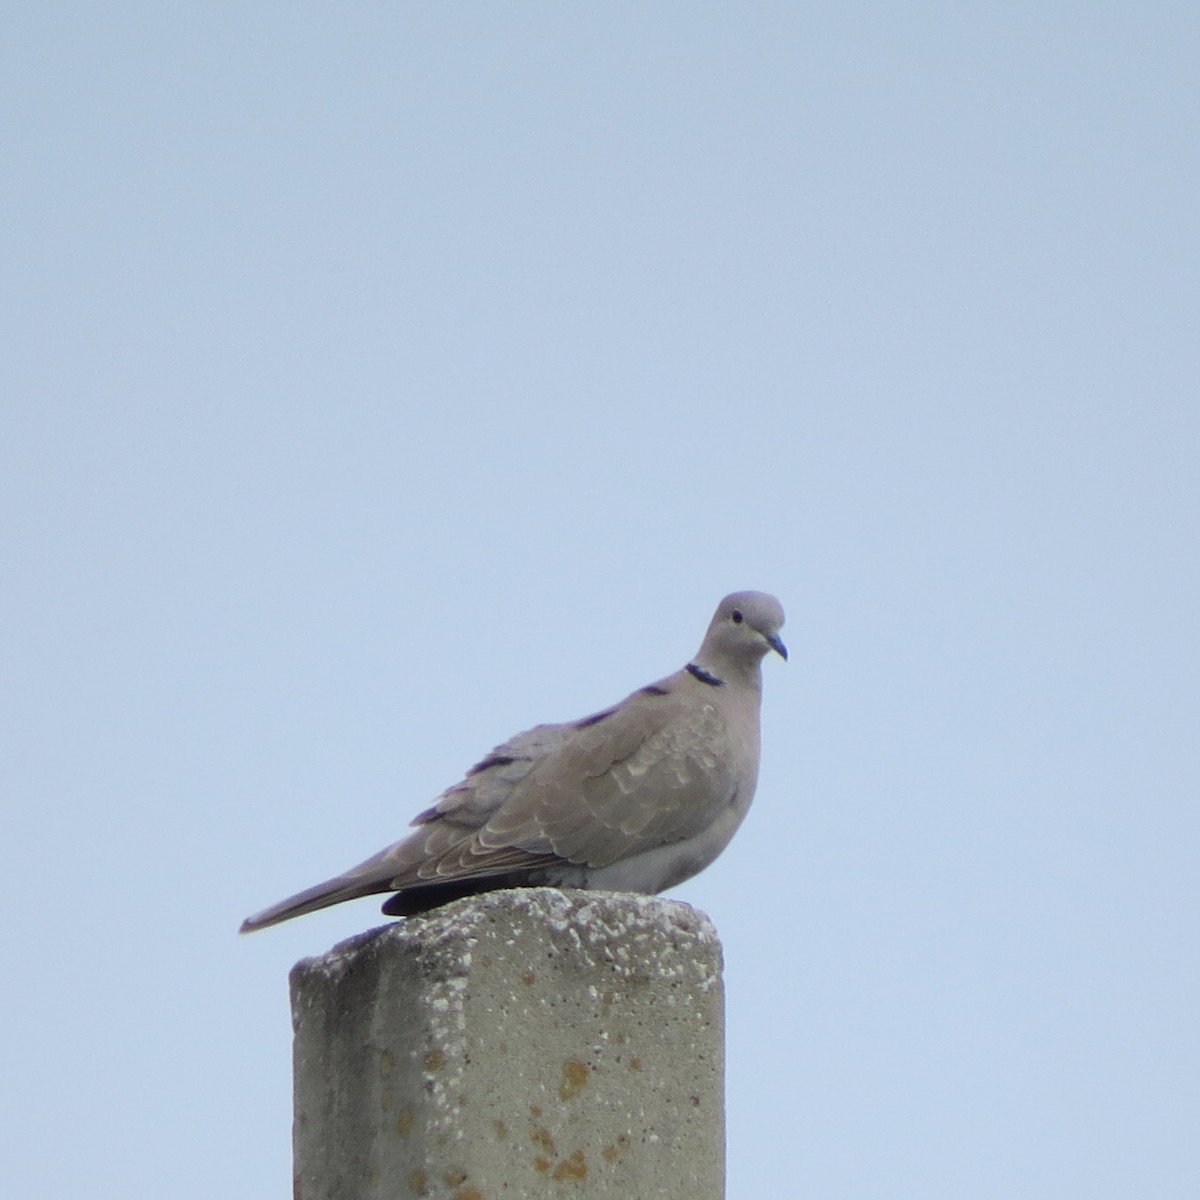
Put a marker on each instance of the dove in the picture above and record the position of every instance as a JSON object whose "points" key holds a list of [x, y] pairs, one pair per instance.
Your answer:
{"points": [[634, 798]]}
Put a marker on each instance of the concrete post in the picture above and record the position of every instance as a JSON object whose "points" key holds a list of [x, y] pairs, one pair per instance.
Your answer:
{"points": [[522, 1043]]}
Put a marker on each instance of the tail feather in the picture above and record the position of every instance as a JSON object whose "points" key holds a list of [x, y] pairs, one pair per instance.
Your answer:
{"points": [[382, 872], [321, 895]]}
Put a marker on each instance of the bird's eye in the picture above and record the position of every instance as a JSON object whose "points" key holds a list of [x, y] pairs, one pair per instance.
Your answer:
{"points": [[737, 616]]}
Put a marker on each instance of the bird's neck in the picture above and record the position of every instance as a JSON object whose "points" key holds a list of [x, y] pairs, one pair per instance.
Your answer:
{"points": [[721, 674]]}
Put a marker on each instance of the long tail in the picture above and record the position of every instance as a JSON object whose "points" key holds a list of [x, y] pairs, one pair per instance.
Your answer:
{"points": [[322, 895]]}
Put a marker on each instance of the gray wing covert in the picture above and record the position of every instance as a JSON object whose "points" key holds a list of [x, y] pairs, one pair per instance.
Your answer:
{"points": [[465, 807], [650, 772], [491, 781]]}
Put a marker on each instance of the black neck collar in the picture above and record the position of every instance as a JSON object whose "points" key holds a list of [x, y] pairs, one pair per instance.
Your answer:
{"points": [[704, 676]]}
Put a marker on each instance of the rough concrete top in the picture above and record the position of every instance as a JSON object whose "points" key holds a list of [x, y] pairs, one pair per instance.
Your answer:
{"points": [[609, 929]]}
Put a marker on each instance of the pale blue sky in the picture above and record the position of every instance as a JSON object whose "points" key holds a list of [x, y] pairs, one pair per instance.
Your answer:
{"points": [[380, 380]]}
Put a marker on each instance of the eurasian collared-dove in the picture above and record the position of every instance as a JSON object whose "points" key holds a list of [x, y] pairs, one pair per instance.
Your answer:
{"points": [[634, 798]]}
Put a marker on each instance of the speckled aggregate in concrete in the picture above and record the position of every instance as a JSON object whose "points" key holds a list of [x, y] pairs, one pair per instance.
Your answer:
{"points": [[523, 1043]]}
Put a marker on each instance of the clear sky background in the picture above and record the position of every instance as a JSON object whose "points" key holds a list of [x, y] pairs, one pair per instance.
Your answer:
{"points": [[382, 379]]}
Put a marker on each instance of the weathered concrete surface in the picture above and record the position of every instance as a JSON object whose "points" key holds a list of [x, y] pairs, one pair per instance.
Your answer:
{"points": [[522, 1043]]}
